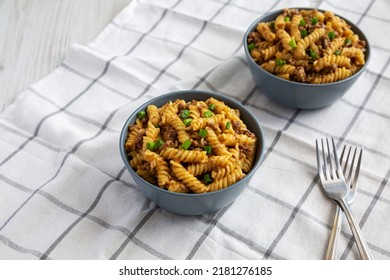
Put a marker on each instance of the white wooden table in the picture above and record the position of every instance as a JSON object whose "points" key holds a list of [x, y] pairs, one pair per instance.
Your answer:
{"points": [[36, 34]]}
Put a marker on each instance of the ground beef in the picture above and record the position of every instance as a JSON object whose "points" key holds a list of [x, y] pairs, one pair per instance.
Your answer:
{"points": [[144, 122], [248, 133], [181, 107], [200, 143], [236, 126], [168, 133], [148, 167], [299, 74], [169, 144], [329, 69], [254, 37], [246, 149], [325, 41], [138, 141]]}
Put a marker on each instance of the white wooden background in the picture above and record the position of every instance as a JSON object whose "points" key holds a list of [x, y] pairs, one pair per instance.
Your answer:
{"points": [[36, 34]]}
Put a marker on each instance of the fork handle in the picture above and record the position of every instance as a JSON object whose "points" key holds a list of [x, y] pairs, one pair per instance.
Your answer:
{"points": [[331, 253], [357, 233]]}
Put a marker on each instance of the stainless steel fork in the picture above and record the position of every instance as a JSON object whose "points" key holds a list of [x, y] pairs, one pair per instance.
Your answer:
{"points": [[335, 187], [352, 180]]}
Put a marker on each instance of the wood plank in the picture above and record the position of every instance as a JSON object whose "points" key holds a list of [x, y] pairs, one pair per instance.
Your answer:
{"points": [[36, 34]]}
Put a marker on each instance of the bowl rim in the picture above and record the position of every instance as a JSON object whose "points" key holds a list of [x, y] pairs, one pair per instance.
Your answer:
{"points": [[124, 132], [354, 27]]}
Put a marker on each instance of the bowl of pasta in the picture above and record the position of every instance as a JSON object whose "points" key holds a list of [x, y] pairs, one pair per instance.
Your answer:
{"points": [[191, 152], [305, 58]]}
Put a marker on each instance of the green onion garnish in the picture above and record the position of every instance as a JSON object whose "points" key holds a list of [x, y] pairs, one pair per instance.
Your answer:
{"points": [[141, 114], [337, 52], [347, 41], [158, 143], [186, 144], [208, 114], [184, 113], [208, 149], [211, 106], [314, 20], [303, 33], [313, 55], [228, 125], [150, 146], [202, 133], [251, 46], [302, 22], [286, 19], [207, 178], [279, 62], [331, 35], [292, 43], [187, 122]]}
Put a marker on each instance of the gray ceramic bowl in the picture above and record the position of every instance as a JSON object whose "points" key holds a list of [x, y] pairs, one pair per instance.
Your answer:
{"points": [[194, 204], [295, 94]]}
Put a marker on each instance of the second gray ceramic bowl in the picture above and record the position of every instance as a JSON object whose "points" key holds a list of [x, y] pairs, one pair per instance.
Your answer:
{"points": [[295, 94], [194, 204]]}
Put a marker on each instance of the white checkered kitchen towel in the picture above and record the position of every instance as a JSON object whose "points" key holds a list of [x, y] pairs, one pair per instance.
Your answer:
{"points": [[64, 191]]}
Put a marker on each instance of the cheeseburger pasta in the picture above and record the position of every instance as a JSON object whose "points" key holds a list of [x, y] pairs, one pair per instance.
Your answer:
{"points": [[190, 147], [307, 46]]}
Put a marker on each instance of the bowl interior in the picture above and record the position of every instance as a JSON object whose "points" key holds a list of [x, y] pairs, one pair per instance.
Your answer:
{"points": [[247, 117]]}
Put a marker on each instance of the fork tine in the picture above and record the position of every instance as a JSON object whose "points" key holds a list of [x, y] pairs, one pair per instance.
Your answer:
{"points": [[319, 165], [336, 159], [355, 179], [342, 154], [342, 162], [331, 162], [318, 157], [329, 159], [348, 176], [325, 166]]}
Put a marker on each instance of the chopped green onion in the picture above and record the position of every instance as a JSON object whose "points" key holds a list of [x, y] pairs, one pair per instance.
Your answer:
{"points": [[303, 33], [251, 46], [141, 114], [150, 146], [187, 122], [292, 43], [202, 133], [286, 19], [279, 62], [158, 143], [337, 52], [228, 125], [347, 41], [207, 178], [208, 149], [211, 106], [314, 20], [186, 144], [208, 114], [302, 22], [184, 113], [272, 24], [313, 55], [331, 35]]}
